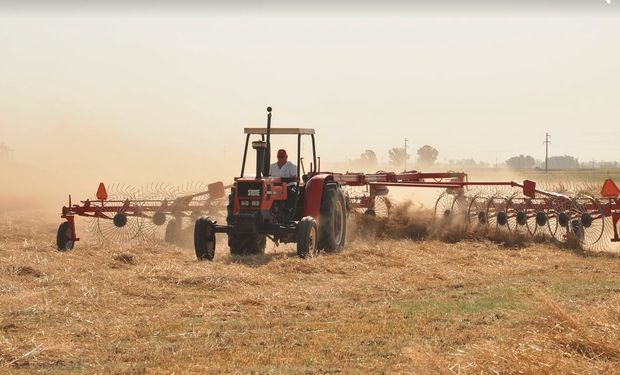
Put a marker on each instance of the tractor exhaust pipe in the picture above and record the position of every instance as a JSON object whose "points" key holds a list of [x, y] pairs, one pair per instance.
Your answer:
{"points": [[267, 151], [261, 148]]}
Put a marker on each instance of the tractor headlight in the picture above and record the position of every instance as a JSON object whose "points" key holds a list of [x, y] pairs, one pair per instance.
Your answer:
{"points": [[245, 203], [255, 203]]}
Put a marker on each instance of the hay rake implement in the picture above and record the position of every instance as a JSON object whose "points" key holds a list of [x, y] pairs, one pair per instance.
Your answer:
{"points": [[159, 211], [154, 211], [588, 217]]}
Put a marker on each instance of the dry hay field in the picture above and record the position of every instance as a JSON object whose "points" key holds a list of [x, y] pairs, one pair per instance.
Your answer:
{"points": [[389, 303]]}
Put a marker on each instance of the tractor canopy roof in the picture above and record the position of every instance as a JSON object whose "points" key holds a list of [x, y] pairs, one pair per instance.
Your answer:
{"points": [[262, 131]]}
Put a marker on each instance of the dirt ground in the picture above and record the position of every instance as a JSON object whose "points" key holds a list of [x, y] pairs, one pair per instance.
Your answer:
{"points": [[379, 306]]}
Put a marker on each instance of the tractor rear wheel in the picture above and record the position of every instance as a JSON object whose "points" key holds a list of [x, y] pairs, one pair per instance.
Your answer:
{"points": [[333, 224], [307, 235], [204, 238], [63, 237], [250, 244]]}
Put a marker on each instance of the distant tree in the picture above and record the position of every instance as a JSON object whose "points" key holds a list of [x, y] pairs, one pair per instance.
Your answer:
{"points": [[427, 156], [367, 160], [563, 162], [521, 162], [464, 163], [398, 156]]}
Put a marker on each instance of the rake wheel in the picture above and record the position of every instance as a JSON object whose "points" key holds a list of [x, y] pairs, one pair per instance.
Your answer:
{"points": [[443, 209], [460, 205], [537, 215], [121, 228], [516, 210], [587, 223], [380, 207], [559, 218], [496, 214], [476, 212]]}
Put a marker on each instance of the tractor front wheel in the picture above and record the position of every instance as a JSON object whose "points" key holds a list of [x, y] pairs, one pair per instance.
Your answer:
{"points": [[204, 238], [307, 235]]}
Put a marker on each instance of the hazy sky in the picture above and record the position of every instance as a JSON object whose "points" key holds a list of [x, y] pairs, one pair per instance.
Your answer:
{"points": [[164, 85]]}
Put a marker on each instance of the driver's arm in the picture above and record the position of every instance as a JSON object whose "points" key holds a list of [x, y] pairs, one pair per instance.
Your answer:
{"points": [[293, 170]]}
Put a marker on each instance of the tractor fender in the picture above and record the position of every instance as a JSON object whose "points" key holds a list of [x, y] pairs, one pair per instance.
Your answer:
{"points": [[313, 195]]}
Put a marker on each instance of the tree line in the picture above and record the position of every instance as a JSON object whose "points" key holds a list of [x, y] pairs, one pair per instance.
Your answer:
{"points": [[426, 156], [399, 158]]}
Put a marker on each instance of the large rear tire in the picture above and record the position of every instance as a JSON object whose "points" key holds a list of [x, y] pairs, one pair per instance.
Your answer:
{"points": [[204, 239], [63, 237], [333, 224], [307, 235]]}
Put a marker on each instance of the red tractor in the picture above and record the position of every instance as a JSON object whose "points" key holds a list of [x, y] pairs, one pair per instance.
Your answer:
{"points": [[309, 210]]}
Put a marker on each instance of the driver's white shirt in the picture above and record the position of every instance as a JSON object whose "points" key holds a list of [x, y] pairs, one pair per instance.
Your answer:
{"points": [[288, 169]]}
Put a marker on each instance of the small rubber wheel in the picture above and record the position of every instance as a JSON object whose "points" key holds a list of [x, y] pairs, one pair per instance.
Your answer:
{"points": [[173, 231], [63, 237], [307, 235], [204, 239]]}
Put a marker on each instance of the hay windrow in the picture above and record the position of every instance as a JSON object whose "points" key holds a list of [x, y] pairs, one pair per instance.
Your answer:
{"points": [[413, 222]]}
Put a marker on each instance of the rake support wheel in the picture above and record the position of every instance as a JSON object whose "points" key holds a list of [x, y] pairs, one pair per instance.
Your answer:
{"points": [[173, 231], [63, 237]]}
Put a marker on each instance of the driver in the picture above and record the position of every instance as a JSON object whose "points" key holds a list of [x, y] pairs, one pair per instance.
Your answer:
{"points": [[283, 167], [286, 169]]}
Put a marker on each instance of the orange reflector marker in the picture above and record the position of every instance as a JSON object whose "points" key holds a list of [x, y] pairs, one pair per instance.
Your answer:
{"points": [[102, 194], [610, 189]]}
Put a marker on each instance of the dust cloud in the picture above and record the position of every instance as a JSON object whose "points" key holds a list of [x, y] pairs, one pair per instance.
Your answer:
{"points": [[72, 153], [43, 176], [73, 159]]}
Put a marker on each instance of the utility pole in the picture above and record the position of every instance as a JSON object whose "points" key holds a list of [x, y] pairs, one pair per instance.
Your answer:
{"points": [[405, 157], [546, 142]]}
